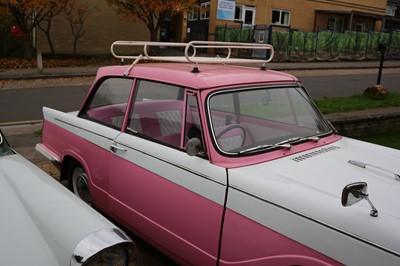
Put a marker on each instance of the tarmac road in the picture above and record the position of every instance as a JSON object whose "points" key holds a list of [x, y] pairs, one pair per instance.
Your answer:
{"points": [[26, 102], [341, 83]]}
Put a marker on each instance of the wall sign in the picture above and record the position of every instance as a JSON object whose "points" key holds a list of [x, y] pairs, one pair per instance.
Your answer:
{"points": [[226, 10]]}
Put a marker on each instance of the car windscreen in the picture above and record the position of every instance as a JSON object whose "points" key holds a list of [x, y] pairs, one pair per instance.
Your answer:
{"points": [[255, 119], [4, 147]]}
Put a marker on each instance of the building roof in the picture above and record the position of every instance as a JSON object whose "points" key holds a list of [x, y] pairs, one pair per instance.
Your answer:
{"points": [[350, 12]]}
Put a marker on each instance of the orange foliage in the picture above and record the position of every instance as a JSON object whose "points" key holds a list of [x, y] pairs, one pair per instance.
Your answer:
{"points": [[29, 13], [151, 12]]}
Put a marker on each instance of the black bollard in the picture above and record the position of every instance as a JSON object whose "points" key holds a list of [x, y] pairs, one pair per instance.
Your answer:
{"points": [[382, 49]]}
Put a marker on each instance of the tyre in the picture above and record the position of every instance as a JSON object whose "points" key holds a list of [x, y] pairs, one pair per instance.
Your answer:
{"points": [[79, 182]]}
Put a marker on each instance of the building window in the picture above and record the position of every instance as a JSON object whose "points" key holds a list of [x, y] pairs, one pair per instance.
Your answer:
{"points": [[205, 10], [359, 27], [391, 10], [249, 15], [245, 14], [335, 24], [280, 17], [363, 26], [238, 12], [193, 14]]}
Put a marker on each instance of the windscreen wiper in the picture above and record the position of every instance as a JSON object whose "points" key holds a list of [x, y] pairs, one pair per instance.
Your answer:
{"points": [[296, 139], [285, 144], [266, 147]]}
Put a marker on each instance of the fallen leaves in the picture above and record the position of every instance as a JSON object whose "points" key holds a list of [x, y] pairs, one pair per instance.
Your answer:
{"points": [[18, 63]]}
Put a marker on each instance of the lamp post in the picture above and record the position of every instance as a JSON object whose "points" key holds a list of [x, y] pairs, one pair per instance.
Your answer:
{"points": [[378, 91]]}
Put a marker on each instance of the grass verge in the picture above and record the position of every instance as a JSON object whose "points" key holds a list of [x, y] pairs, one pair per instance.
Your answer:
{"points": [[389, 138], [361, 102], [356, 102]]}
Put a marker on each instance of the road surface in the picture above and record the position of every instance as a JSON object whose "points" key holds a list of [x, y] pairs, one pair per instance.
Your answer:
{"points": [[25, 103]]}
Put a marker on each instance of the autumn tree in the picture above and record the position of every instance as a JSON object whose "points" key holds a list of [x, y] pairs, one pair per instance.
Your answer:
{"points": [[45, 26], [5, 23], [151, 12], [77, 13], [28, 14]]}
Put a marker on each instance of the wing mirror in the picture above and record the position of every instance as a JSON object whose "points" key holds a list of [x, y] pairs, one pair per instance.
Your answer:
{"points": [[356, 192], [194, 147]]}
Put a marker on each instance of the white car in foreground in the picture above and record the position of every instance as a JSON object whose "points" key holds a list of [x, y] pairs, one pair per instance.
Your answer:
{"points": [[44, 224]]}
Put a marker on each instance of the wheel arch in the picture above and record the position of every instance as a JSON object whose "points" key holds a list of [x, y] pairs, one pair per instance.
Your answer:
{"points": [[66, 163]]}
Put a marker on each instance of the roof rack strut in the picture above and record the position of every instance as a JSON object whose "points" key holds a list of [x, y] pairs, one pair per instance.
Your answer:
{"points": [[190, 52]]}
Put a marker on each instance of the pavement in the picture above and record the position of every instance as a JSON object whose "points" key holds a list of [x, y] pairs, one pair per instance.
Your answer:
{"points": [[24, 137], [69, 72]]}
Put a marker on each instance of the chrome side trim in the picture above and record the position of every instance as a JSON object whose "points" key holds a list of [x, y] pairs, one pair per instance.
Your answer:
{"points": [[364, 165], [96, 242], [47, 153]]}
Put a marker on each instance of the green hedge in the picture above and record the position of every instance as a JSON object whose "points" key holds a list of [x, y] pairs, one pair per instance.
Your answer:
{"points": [[323, 45]]}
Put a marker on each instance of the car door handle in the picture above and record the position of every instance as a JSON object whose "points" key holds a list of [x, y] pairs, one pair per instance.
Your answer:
{"points": [[115, 148]]}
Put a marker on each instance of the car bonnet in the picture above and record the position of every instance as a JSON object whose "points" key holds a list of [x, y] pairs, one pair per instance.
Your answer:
{"points": [[310, 184], [41, 222]]}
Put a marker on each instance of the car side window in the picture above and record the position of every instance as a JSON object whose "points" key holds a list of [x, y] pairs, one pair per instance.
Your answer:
{"points": [[108, 104], [157, 112]]}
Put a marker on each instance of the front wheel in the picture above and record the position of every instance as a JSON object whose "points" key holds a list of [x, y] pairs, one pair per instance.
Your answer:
{"points": [[79, 182]]}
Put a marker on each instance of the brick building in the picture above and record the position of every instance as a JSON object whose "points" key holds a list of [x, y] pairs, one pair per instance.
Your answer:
{"points": [[105, 25], [102, 27], [304, 15]]}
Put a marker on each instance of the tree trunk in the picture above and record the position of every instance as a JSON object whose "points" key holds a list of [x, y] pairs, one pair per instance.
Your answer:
{"points": [[153, 36], [154, 50], [28, 47], [75, 43], [48, 37], [50, 42]]}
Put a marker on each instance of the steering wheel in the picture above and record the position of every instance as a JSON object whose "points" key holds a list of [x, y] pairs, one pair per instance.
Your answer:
{"points": [[232, 127]]}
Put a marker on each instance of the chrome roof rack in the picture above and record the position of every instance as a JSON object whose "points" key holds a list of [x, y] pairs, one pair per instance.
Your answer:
{"points": [[190, 52]]}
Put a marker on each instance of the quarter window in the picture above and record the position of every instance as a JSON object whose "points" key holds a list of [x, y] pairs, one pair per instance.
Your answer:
{"points": [[280, 17], [192, 121]]}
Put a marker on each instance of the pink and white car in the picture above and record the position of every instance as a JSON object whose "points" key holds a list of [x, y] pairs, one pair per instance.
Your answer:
{"points": [[216, 164]]}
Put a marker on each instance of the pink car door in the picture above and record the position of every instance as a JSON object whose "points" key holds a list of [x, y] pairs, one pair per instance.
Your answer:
{"points": [[105, 109], [173, 200]]}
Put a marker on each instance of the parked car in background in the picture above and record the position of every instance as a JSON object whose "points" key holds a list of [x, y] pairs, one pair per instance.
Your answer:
{"points": [[42, 223], [219, 164]]}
